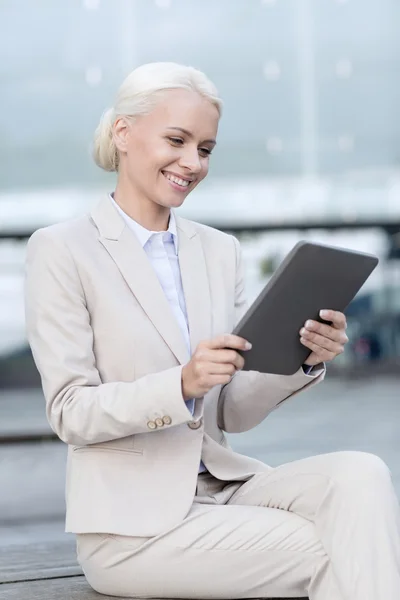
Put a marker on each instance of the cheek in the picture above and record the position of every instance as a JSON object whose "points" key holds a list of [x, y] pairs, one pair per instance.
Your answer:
{"points": [[204, 169], [137, 154], [160, 158], [202, 175], [145, 152]]}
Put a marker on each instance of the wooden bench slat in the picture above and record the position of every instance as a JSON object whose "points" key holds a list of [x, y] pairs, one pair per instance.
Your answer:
{"points": [[44, 571], [68, 588], [43, 560]]}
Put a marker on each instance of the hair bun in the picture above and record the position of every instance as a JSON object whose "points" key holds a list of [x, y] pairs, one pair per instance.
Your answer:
{"points": [[104, 150]]}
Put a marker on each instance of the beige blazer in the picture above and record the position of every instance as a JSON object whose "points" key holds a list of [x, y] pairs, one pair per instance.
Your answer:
{"points": [[110, 354]]}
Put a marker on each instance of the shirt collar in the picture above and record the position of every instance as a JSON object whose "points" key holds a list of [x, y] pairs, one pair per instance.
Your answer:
{"points": [[143, 234]]}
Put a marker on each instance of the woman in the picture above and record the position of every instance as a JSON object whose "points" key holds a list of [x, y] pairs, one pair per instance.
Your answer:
{"points": [[129, 310]]}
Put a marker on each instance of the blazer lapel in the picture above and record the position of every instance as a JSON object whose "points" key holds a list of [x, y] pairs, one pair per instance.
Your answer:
{"points": [[140, 276], [195, 282]]}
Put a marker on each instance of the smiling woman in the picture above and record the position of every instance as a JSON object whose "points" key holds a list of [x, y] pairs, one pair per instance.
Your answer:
{"points": [[129, 314], [158, 136]]}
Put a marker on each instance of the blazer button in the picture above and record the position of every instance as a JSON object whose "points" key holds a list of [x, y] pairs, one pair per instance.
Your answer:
{"points": [[159, 422], [167, 420], [195, 424], [151, 425]]}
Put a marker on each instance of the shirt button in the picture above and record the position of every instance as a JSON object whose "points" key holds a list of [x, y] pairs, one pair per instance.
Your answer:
{"points": [[159, 422], [151, 425], [167, 420]]}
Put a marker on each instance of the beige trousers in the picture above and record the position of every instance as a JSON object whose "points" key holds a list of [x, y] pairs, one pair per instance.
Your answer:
{"points": [[325, 527]]}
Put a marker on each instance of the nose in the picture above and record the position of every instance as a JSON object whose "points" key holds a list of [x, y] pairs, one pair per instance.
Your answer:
{"points": [[190, 161]]}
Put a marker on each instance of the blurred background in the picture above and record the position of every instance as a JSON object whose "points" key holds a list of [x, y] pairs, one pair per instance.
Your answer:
{"points": [[309, 148]]}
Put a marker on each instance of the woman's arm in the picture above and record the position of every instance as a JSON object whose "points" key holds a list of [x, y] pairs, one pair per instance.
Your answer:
{"points": [[80, 408], [251, 396]]}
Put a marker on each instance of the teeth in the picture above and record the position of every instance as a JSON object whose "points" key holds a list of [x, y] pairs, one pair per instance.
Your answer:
{"points": [[177, 180]]}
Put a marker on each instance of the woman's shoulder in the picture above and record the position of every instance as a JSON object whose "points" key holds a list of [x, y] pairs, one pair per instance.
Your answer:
{"points": [[65, 231]]}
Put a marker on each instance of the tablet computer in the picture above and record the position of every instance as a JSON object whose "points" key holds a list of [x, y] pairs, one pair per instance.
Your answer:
{"points": [[311, 277]]}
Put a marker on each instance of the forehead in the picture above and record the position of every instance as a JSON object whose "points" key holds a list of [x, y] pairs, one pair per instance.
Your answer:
{"points": [[185, 109]]}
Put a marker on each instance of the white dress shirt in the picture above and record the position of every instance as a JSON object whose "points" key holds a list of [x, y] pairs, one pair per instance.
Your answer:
{"points": [[161, 248]]}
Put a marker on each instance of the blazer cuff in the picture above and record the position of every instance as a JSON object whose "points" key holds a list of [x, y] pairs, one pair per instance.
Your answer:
{"points": [[170, 406], [313, 371]]}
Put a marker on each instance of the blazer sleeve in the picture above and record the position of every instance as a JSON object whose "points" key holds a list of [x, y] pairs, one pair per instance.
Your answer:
{"points": [[251, 396], [80, 408]]}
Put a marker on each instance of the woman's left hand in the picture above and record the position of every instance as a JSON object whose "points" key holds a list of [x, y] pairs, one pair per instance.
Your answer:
{"points": [[325, 341]]}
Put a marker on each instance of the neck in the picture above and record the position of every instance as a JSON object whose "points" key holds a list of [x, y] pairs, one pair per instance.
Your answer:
{"points": [[148, 214]]}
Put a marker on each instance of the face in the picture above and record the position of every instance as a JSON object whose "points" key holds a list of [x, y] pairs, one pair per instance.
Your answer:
{"points": [[164, 155]]}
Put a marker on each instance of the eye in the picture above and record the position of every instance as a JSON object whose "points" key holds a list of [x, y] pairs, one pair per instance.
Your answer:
{"points": [[177, 141], [204, 152]]}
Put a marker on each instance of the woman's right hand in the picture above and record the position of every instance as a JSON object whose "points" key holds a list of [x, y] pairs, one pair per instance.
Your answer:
{"points": [[214, 362]]}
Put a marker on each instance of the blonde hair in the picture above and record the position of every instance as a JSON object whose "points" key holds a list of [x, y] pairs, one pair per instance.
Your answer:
{"points": [[139, 94]]}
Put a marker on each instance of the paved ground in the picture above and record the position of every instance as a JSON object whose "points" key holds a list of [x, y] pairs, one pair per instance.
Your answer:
{"points": [[22, 411], [336, 415]]}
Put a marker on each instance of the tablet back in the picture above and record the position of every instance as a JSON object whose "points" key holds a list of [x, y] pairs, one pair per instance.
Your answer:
{"points": [[312, 277]]}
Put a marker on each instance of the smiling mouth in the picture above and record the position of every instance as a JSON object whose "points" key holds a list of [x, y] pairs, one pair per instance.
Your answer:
{"points": [[183, 183]]}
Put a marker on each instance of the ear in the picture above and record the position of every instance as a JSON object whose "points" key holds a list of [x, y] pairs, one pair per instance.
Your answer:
{"points": [[121, 133]]}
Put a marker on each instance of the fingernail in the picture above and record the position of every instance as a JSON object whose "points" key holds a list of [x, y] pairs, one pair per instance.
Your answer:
{"points": [[324, 313], [248, 346]]}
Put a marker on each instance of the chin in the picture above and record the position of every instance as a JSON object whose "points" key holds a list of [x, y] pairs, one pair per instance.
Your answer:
{"points": [[173, 202]]}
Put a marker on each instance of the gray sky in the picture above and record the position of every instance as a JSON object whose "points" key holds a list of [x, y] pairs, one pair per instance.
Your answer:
{"points": [[310, 86]]}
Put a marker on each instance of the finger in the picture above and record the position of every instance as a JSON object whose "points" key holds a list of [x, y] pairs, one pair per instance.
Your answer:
{"points": [[222, 356], [326, 331], [338, 319], [239, 363], [322, 354], [222, 369], [323, 342], [228, 357], [219, 356], [228, 340], [219, 380]]}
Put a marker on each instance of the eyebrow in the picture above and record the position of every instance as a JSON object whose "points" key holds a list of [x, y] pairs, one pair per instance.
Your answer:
{"points": [[190, 135]]}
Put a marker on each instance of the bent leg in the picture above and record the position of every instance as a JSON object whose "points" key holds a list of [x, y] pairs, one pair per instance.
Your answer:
{"points": [[216, 552], [350, 499]]}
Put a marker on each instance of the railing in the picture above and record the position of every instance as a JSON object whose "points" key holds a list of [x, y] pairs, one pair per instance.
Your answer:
{"points": [[391, 227], [384, 326]]}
